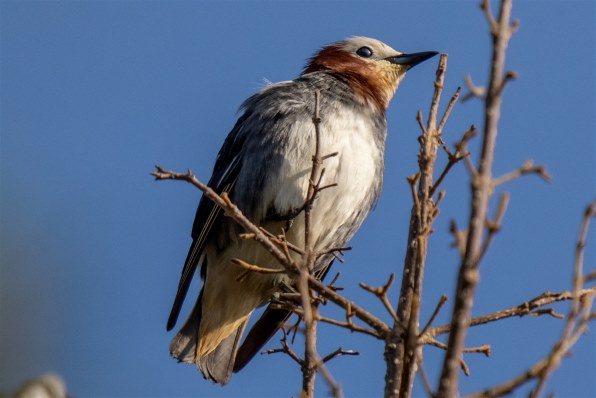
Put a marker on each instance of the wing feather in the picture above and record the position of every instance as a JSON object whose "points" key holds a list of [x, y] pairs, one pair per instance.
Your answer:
{"points": [[225, 174]]}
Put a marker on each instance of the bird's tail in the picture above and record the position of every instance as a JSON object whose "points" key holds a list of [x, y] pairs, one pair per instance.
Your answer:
{"points": [[213, 350], [267, 325]]}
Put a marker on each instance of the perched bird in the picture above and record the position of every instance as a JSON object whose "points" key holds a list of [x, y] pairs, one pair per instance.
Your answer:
{"points": [[264, 165]]}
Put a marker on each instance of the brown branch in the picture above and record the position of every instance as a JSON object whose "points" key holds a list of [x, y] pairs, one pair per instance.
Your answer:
{"points": [[481, 192], [311, 358], [337, 353], [254, 268], [459, 238], [448, 110], [590, 276], [526, 168], [401, 351], [454, 157], [527, 308], [279, 240], [473, 90], [493, 226], [337, 252], [349, 325], [285, 349], [442, 301], [483, 349], [352, 309], [381, 294]]}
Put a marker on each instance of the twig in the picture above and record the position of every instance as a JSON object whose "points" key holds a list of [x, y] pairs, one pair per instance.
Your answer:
{"points": [[483, 349], [473, 90], [349, 325], [448, 110], [453, 158], [440, 303], [285, 349], [493, 226], [352, 309], [526, 168], [256, 268], [339, 352], [381, 293], [248, 268], [459, 238]]}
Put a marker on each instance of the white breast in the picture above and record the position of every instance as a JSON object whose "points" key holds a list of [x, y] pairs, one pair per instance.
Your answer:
{"points": [[354, 170]]}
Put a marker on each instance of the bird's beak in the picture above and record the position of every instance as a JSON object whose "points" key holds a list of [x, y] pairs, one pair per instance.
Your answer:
{"points": [[411, 60]]}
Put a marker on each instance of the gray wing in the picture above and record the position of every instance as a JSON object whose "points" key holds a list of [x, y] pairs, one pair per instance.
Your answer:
{"points": [[223, 179], [249, 154]]}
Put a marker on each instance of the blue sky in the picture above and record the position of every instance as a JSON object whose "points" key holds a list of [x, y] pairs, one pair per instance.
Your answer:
{"points": [[92, 94]]}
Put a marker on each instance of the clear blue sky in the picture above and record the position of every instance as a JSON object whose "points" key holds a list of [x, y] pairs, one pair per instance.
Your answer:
{"points": [[94, 93]]}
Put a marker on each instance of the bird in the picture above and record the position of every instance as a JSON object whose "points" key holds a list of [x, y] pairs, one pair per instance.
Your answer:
{"points": [[264, 167]]}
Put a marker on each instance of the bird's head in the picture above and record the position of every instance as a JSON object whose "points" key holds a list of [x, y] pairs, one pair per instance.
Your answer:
{"points": [[371, 67]]}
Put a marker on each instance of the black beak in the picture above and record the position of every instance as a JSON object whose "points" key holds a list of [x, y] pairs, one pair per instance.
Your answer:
{"points": [[411, 60]]}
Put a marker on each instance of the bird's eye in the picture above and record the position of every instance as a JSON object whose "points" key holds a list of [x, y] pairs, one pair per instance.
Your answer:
{"points": [[364, 52]]}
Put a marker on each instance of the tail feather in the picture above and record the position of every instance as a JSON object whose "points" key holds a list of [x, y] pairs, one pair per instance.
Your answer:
{"points": [[218, 364], [259, 334], [183, 346]]}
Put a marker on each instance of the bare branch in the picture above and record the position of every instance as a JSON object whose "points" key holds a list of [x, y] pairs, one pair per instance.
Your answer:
{"points": [[285, 349], [452, 158], [442, 301], [459, 237], [353, 310], [473, 90], [483, 349], [381, 293], [493, 226], [527, 308], [526, 168], [349, 325], [420, 122], [481, 192], [254, 268], [401, 351], [337, 353], [447, 112]]}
